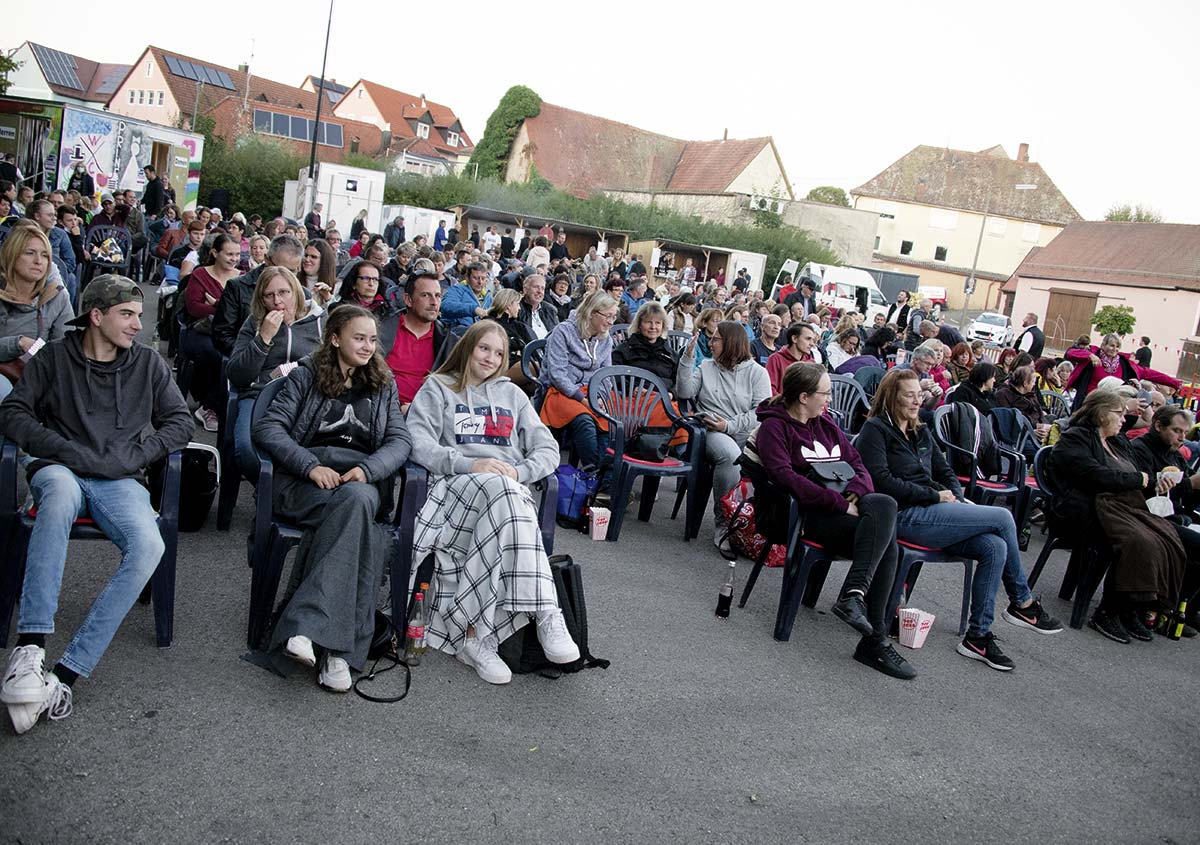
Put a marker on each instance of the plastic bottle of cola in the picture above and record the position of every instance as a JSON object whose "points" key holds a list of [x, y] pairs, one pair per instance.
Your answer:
{"points": [[725, 597], [414, 641]]}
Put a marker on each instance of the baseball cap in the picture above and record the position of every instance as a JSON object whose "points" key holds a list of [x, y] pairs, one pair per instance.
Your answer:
{"points": [[104, 292], [421, 267]]}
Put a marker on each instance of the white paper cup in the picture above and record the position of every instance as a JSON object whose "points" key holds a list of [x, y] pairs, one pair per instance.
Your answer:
{"points": [[599, 523]]}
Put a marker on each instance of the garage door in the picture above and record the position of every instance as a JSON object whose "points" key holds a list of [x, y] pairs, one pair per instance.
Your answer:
{"points": [[1068, 315]]}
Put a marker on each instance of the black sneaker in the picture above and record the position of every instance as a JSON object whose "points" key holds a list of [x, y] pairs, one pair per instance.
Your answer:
{"points": [[852, 610], [984, 649], [881, 657], [1034, 617], [1135, 625], [1110, 626]]}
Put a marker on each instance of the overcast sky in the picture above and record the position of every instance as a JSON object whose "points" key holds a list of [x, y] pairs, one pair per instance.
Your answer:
{"points": [[1105, 93]]}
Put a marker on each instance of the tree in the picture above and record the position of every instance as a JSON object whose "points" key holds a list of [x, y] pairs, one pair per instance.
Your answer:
{"points": [[491, 153], [1114, 319], [830, 195], [1126, 213], [7, 66]]}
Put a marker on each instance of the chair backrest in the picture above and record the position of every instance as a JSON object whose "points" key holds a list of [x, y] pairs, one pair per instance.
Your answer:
{"points": [[1010, 421], [263, 401], [628, 396], [618, 333], [1041, 473], [678, 341], [1056, 404], [868, 379], [847, 400], [531, 359], [99, 234]]}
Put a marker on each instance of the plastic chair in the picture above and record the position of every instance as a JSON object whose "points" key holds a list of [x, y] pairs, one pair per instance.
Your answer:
{"points": [[1056, 404], [231, 474], [908, 568], [618, 333], [98, 235], [678, 342], [626, 397], [868, 379], [848, 402], [16, 525], [1088, 561], [185, 366], [531, 368], [1009, 484]]}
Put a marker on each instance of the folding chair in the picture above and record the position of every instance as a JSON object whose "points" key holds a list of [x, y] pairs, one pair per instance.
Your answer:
{"points": [[16, 526], [626, 397]]}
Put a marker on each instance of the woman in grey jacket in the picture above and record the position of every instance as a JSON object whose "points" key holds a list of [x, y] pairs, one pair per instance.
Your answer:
{"points": [[482, 441], [338, 438], [31, 309], [727, 389], [282, 328]]}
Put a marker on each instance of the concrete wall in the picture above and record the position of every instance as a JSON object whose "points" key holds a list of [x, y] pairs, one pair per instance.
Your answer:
{"points": [[519, 159], [1006, 241], [762, 176], [143, 86], [1167, 317]]}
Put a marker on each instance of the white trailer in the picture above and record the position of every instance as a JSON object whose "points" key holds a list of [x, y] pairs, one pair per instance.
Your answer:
{"points": [[417, 220], [344, 192]]}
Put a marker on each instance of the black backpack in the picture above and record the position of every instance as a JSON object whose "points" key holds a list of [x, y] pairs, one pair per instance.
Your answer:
{"points": [[522, 651]]}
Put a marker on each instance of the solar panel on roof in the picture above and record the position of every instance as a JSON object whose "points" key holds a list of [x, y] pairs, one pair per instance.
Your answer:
{"points": [[58, 67], [226, 80], [173, 66], [111, 82]]}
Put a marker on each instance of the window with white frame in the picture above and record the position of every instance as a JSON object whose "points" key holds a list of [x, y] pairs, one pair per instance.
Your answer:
{"points": [[452, 139], [997, 226], [941, 218], [132, 94], [422, 130], [160, 98], [1031, 232], [141, 97]]}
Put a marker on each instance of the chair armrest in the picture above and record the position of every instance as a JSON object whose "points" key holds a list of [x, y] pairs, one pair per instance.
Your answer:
{"points": [[547, 509], [8, 478], [1016, 473], [168, 509]]}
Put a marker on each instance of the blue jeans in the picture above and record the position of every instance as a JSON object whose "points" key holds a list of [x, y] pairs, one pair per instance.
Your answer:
{"points": [[121, 509], [983, 533], [590, 444], [6, 387], [243, 446]]}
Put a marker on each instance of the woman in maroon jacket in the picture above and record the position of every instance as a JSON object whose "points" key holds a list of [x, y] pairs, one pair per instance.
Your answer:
{"points": [[794, 434], [200, 297]]}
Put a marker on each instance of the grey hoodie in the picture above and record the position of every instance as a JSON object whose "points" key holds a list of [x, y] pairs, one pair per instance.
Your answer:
{"points": [[734, 394], [252, 361], [17, 320], [91, 416], [570, 360], [452, 429]]}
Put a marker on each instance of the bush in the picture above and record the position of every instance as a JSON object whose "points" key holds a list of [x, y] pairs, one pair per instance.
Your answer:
{"points": [[1114, 319], [491, 153], [253, 170]]}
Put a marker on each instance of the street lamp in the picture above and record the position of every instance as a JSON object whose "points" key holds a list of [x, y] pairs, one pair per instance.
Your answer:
{"points": [[970, 285]]}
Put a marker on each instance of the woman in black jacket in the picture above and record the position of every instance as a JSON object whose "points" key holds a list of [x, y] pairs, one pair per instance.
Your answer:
{"points": [[646, 345], [977, 389], [906, 464], [506, 304], [337, 437], [1102, 488]]}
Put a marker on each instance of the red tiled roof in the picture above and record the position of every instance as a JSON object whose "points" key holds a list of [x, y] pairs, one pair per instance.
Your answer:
{"points": [[972, 182], [1144, 255], [398, 108], [92, 75], [583, 153], [709, 166]]}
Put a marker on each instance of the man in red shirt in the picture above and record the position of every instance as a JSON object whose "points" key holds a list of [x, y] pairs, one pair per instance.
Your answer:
{"points": [[801, 346], [413, 341]]}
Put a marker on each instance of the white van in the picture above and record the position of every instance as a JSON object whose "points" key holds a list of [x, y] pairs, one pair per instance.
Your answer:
{"points": [[847, 288]]}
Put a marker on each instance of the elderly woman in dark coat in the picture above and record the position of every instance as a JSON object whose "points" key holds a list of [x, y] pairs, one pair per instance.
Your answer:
{"points": [[646, 345], [1103, 487]]}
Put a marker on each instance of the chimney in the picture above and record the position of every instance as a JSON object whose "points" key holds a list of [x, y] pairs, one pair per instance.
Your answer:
{"points": [[726, 136], [1023, 153], [243, 68]]}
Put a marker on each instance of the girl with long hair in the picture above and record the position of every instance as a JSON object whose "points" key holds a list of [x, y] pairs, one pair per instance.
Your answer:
{"points": [[203, 291], [483, 443], [337, 437]]}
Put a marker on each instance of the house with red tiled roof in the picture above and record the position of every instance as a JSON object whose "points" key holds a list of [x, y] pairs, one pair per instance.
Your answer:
{"points": [[933, 203], [1153, 268], [425, 136], [44, 73], [168, 88], [583, 154]]}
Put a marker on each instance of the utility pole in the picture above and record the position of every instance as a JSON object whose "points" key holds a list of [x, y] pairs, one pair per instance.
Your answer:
{"points": [[962, 318], [196, 105], [312, 156]]}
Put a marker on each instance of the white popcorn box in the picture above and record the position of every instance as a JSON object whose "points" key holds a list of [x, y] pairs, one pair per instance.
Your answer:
{"points": [[914, 626], [599, 523]]}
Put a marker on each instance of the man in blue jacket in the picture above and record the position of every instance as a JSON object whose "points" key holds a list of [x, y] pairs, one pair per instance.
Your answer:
{"points": [[467, 301]]}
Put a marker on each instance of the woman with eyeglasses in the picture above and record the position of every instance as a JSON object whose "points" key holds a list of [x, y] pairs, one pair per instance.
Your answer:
{"points": [[318, 271], [362, 287], [845, 346]]}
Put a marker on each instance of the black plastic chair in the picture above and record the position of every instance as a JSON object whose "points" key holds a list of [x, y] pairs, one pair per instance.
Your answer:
{"points": [[868, 379], [1088, 561], [1008, 485], [531, 368], [231, 473], [185, 365], [1056, 404], [849, 403], [16, 525], [618, 333], [626, 397], [678, 342], [98, 235], [908, 568]]}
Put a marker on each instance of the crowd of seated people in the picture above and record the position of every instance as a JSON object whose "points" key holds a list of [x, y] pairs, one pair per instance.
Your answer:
{"points": [[403, 352]]}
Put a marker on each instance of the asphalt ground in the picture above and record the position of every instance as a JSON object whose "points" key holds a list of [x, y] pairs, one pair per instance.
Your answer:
{"points": [[701, 730]]}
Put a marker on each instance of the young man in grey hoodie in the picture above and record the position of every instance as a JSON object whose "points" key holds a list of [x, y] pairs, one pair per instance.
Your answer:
{"points": [[81, 411]]}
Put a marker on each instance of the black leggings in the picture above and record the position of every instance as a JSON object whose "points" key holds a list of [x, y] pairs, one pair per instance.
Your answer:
{"points": [[870, 540]]}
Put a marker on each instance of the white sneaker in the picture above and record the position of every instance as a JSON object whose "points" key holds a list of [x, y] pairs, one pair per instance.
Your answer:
{"points": [[481, 656], [207, 418], [335, 674], [56, 702], [300, 649], [25, 677], [556, 640]]}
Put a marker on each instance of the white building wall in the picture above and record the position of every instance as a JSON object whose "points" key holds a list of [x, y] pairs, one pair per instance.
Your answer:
{"points": [[140, 94], [27, 80], [762, 176]]}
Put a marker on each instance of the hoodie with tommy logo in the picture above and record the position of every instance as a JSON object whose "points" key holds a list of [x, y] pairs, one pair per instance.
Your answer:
{"points": [[787, 448]]}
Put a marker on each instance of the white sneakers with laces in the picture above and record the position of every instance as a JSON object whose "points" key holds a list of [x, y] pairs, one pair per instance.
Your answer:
{"points": [[556, 640], [25, 676], [335, 674], [480, 655], [56, 703]]}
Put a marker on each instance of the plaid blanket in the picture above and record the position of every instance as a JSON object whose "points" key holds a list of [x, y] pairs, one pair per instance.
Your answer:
{"points": [[491, 568]]}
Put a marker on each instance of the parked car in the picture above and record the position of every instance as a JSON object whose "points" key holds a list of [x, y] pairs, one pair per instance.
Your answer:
{"points": [[991, 327], [935, 298]]}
